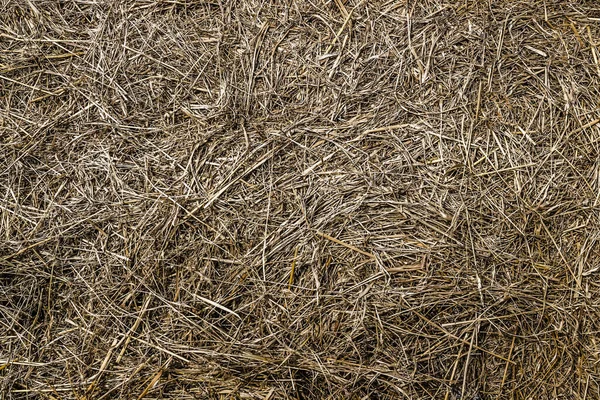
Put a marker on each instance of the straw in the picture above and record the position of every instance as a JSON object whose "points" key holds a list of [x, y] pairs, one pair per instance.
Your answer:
{"points": [[325, 199]]}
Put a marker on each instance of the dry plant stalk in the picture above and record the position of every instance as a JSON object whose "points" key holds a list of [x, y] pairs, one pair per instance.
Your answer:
{"points": [[338, 199]]}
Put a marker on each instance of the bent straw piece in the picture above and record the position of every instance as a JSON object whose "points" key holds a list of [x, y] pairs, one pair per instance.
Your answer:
{"points": [[351, 247]]}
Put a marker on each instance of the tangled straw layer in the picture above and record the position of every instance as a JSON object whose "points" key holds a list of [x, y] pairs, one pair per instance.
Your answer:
{"points": [[299, 199]]}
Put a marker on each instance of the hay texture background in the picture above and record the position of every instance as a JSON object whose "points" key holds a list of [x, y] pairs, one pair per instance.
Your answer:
{"points": [[302, 199]]}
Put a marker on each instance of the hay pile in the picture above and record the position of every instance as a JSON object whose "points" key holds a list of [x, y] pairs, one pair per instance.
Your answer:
{"points": [[299, 199]]}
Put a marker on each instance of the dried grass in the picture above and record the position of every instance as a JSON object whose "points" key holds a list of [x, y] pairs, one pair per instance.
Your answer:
{"points": [[299, 199]]}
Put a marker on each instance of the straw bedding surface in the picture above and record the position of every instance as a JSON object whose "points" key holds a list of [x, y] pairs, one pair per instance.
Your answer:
{"points": [[299, 199]]}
